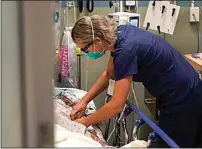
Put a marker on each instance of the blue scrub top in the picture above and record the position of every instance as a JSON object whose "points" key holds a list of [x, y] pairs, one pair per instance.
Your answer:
{"points": [[151, 60]]}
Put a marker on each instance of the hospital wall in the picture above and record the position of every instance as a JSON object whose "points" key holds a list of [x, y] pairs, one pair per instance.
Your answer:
{"points": [[184, 40]]}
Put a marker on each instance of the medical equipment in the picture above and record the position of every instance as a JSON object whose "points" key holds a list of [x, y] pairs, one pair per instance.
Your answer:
{"points": [[114, 4], [74, 94], [80, 6], [125, 18], [67, 54], [90, 5], [67, 50], [121, 119], [157, 131], [131, 3], [161, 16], [57, 23]]}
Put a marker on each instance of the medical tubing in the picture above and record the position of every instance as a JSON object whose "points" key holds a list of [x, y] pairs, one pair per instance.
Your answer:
{"points": [[160, 132], [117, 131], [134, 133], [133, 91], [87, 65], [74, 11], [122, 114], [112, 130], [126, 141], [197, 30], [136, 102], [107, 130], [109, 121]]}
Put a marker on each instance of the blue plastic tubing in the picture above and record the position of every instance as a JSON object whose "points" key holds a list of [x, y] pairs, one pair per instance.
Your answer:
{"points": [[160, 132]]}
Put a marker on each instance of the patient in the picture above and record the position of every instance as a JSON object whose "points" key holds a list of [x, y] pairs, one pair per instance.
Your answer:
{"points": [[64, 100]]}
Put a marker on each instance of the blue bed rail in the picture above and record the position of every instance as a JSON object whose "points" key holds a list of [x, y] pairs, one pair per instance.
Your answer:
{"points": [[156, 129]]}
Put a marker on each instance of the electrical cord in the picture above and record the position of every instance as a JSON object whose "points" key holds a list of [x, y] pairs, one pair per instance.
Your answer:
{"points": [[197, 29], [136, 102]]}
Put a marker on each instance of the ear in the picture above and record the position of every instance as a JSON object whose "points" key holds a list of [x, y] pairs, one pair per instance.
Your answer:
{"points": [[97, 39]]}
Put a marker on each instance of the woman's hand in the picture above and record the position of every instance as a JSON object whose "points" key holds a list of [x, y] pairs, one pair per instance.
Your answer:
{"points": [[81, 121], [78, 110]]}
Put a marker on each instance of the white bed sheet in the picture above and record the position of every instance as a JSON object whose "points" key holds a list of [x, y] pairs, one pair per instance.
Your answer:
{"points": [[64, 138], [91, 108]]}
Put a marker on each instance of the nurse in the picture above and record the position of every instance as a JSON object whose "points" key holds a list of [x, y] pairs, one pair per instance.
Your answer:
{"points": [[140, 56]]}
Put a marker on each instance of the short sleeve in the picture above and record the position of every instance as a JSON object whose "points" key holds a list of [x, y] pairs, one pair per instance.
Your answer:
{"points": [[125, 64]]}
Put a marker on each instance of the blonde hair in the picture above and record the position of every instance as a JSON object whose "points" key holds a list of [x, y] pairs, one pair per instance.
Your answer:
{"points": [[104, 28]]}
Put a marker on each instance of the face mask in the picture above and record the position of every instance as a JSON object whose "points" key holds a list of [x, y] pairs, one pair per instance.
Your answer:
{"points": [[94, 55]]}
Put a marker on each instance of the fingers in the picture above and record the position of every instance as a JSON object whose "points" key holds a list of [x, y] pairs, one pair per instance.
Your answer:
{"points": [[80, 114], [73, 113]]}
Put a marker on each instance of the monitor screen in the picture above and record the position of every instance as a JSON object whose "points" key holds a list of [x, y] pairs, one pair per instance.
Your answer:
{"points": [[134, 21]]}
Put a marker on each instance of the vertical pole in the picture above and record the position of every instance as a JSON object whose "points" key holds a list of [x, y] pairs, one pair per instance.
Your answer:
{"points": [[121, 6], [79, 71]]}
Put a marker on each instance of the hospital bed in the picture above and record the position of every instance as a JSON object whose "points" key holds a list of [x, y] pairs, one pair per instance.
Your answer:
{"points": [[67, 138]]}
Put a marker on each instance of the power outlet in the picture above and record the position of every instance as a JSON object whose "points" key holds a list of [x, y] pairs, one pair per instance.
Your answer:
{"points": [[194, 11]]}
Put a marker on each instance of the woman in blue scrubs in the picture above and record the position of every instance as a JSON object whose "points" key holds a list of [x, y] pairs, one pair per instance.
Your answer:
{"points": [[140, 56]]}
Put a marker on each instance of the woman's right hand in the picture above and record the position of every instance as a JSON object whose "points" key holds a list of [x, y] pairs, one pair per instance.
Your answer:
{"points": [[78, 110]]}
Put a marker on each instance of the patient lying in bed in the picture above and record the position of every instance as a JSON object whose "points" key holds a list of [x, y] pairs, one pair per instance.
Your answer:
{"points": [[64, 100]]}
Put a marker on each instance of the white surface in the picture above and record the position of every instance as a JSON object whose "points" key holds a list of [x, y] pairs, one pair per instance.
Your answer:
{"points": [[166, 21], [60, 133], [137, 143], [70, 139], [110, 87], [195, 11]]}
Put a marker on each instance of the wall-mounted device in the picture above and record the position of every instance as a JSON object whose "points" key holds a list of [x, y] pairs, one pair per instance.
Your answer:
{"points": [[161, 16], [194, 14], [126, 18], [131, 3]]}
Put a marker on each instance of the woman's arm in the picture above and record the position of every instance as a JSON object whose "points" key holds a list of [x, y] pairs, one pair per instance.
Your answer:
{"points": [[101, 83], [112, 108]]}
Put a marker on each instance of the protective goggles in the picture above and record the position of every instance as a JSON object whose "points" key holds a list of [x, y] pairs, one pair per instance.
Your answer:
{"points": [[85, 49]]}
